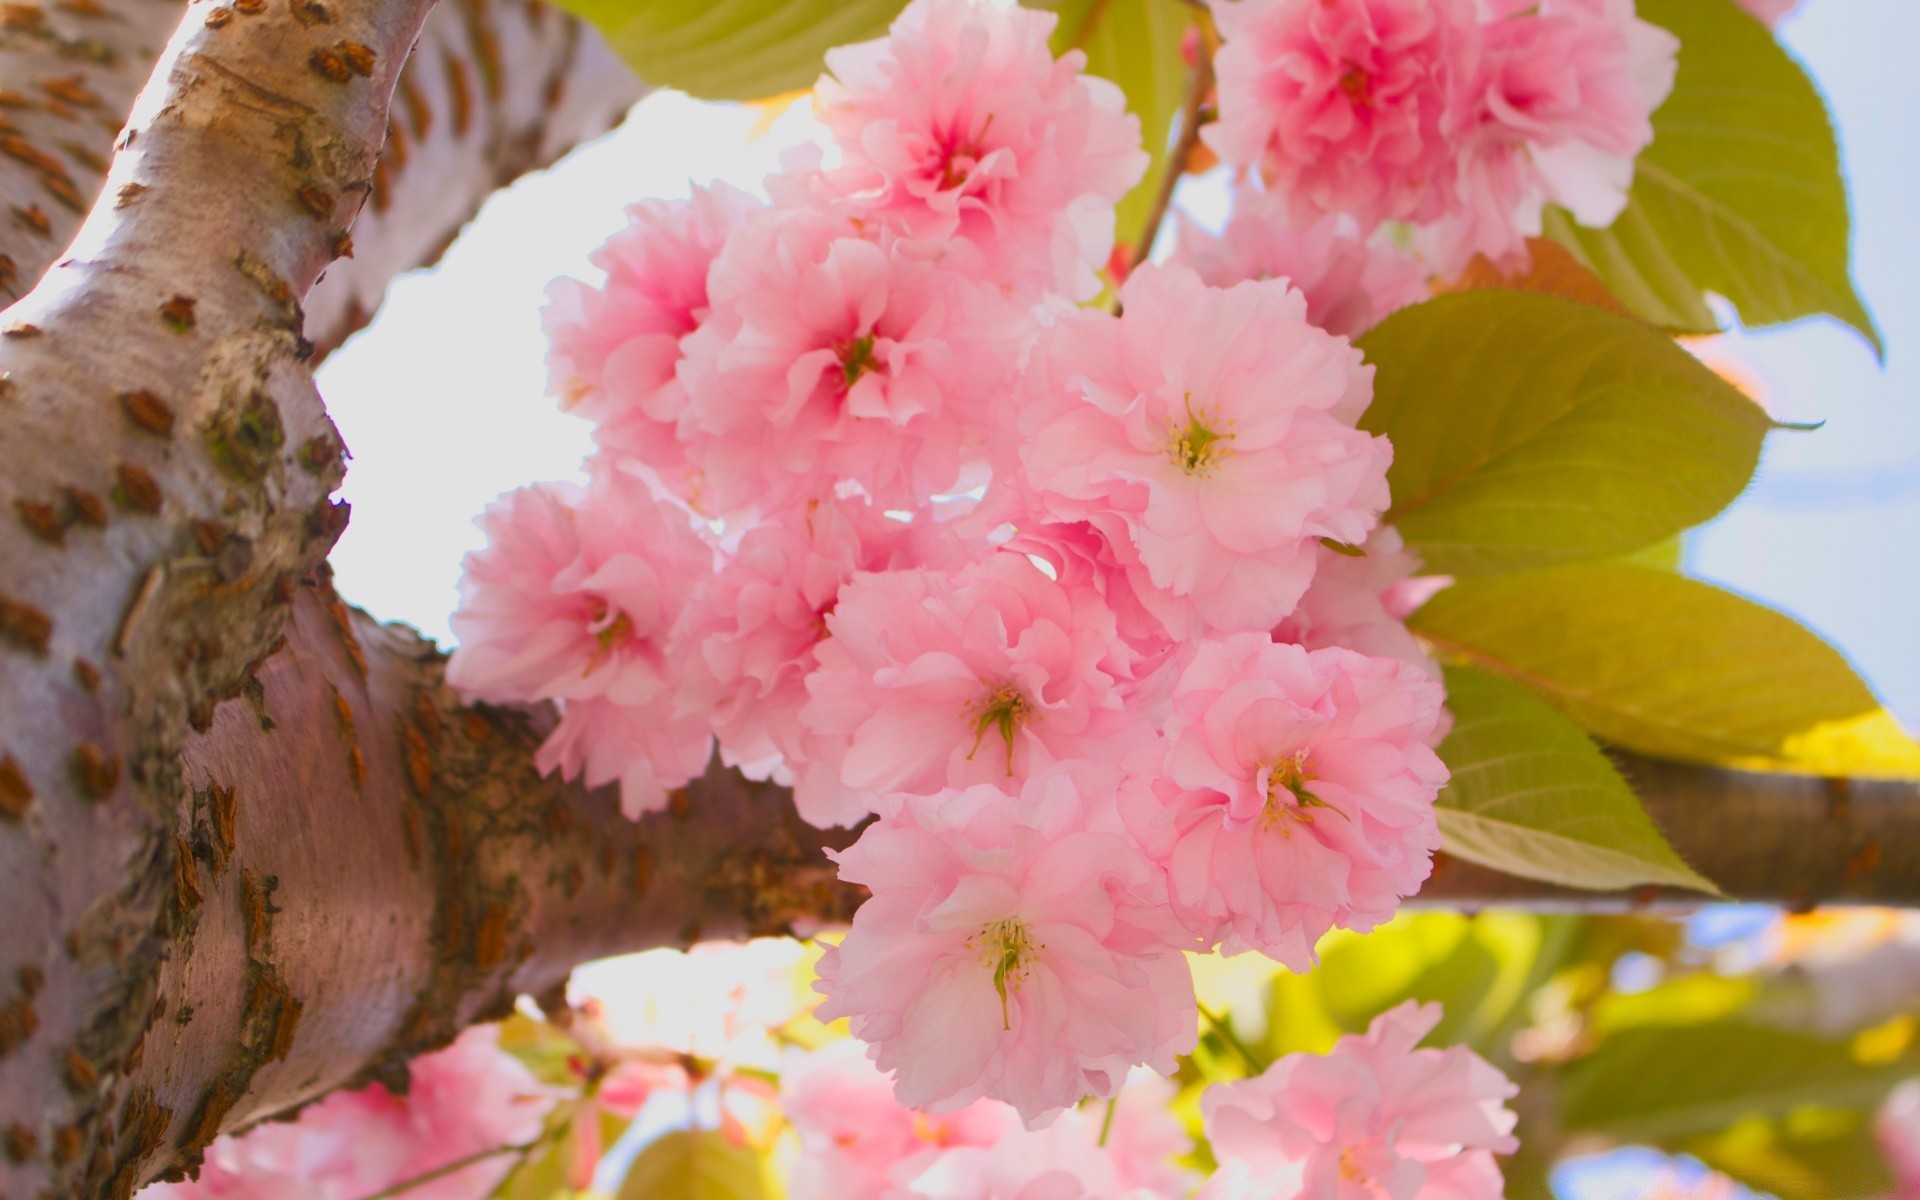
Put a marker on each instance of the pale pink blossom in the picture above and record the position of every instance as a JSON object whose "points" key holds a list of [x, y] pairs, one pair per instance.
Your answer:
{"points": [[856, 1141], [1362, 600], [839, 353], [1373, 1118], [1350, 282], [615, 347], [1208, 436], [1346, 105], [1897, 1128], [747, 645], [960, 123], [1562, 104], [1016, 947], [934, 680], [573, 599], [1293, 793], [1769, 12], [469, 1097]]}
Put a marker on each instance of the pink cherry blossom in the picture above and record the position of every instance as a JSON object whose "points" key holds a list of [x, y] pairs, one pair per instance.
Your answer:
{"points": [[748, 645], [469, 1097], [1562, 105], [837, 352], [934, 680], [1208, 435], [1293, 793], [573, 599], [1897, 1129], [960, 123], [1350, 282], [615, 347], [1361, 601], [1769, 12], [856, 1141], [1015, 947], [1375, 1117], [1346, 105]]}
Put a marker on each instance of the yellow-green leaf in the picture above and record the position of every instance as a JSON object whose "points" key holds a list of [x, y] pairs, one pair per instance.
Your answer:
{"points": [[1740, 192], [733, 49], [1532, 795], [1810, 1154], [1136, 44], [699, 1165], [1668, 1084], [1671, 667], [1530, 430]]}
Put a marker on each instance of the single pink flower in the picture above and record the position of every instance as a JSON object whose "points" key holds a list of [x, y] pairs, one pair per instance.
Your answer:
{"points": [[469, 1097], [1346, 105], [615, 347], [1208, 435], [1350, 282], [961, 124], [1562, 102], [1373, 1118], [1016, 947], [1293, 793], [934, 680], [856, 1141], [574, 599], [839, 353]]}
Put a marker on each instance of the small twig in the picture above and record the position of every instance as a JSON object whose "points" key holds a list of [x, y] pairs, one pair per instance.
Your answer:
{"points": [[1225, 1029], [1095, 11], [1193, 115], [458, 1164]]}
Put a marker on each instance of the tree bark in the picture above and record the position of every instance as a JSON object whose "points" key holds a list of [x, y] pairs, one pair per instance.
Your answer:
{"points": [[493, 89], [251, 848]]}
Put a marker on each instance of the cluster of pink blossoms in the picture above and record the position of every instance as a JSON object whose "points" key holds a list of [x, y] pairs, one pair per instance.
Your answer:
{"points": [[468, 1099], [1065, 603], [1375, 1119], [1380, 142]]}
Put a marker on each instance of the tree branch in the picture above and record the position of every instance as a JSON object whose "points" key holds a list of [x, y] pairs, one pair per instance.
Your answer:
{"points": [[494, 89]]}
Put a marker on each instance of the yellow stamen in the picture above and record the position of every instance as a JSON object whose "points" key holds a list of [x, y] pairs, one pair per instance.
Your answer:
{"points": [[1199, 445], [1004, 709], [1008, 947]]}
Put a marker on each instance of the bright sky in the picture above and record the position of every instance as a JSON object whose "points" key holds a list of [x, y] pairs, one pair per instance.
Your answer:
{"points": [[442, 401]]}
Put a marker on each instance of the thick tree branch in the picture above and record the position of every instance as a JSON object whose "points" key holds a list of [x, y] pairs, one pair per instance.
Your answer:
{"points": [[494, 88], [167, 468]]}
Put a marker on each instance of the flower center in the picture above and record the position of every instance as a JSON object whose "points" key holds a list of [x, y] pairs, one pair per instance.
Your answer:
{"points": [[856, 359], [1008, 947], [1357, 86], [1200, 444], [1005, 709], [961, 155], [1351, 1170], [612, 630], [1288, 800]]}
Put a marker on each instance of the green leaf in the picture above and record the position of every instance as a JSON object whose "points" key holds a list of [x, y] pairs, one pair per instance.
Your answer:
{"points": [[1668, 1084], [733, 49], [1671, 667], [698, 1165], [1532, 795], [1812, 1154], [1529, 430], [1740, 192], [1135, 44]]}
